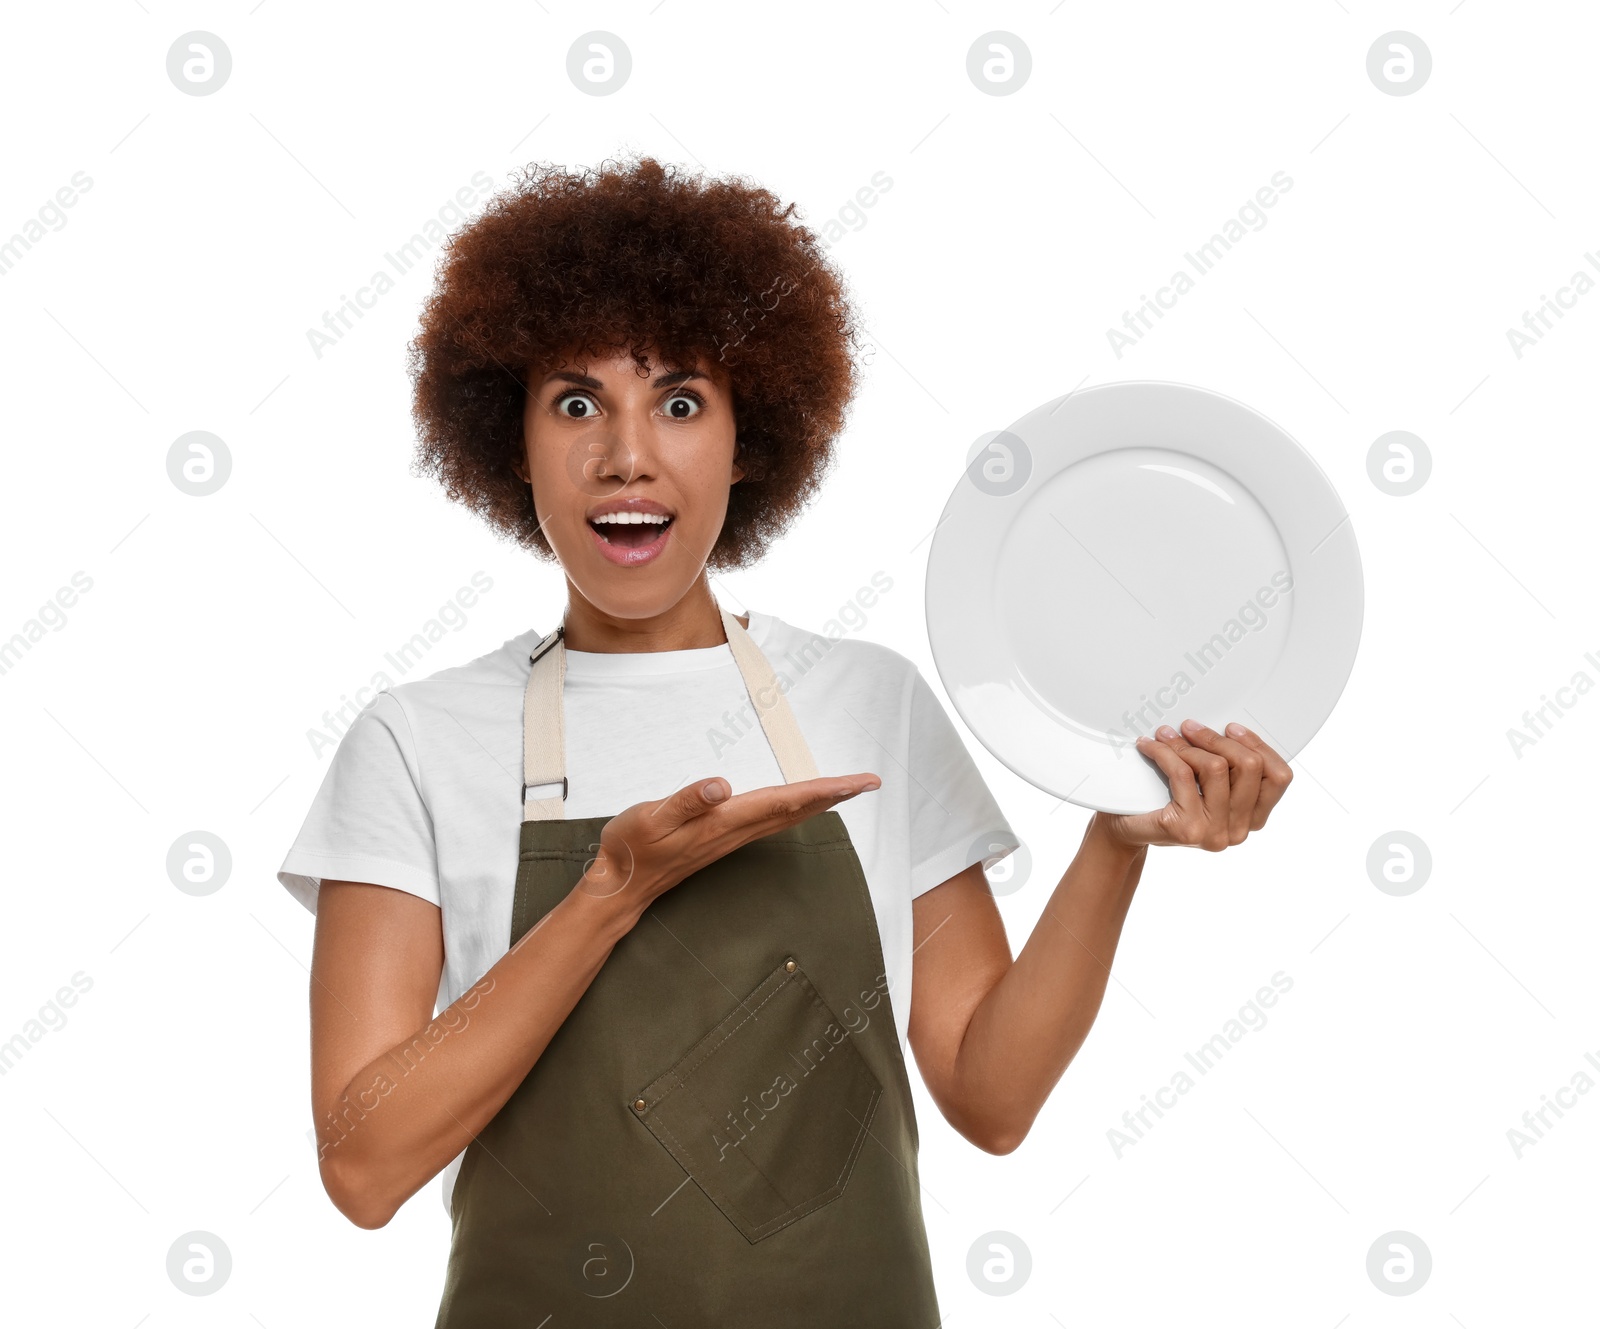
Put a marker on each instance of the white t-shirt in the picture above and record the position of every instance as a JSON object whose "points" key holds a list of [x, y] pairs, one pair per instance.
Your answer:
{"points": [[424, 791]]}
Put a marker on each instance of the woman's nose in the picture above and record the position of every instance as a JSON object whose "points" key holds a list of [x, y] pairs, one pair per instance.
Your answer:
{"points": [[633, 443], [621, 451]]}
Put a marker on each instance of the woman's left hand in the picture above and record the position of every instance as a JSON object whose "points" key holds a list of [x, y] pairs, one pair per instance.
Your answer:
{"points": [[1223, 787]]}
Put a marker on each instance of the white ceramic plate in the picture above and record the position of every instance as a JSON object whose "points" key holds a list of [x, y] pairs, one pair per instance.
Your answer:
{"points": [[1130, 555]]}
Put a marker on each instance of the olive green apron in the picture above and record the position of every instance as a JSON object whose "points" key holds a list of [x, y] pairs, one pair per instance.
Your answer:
{"points": [[721, 1133]]}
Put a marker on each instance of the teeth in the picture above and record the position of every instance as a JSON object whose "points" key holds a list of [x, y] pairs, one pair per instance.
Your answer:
{"points": [[631, 519]]}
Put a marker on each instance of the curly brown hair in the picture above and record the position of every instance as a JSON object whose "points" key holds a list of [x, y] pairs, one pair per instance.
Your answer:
{"points": [[640, 257]]}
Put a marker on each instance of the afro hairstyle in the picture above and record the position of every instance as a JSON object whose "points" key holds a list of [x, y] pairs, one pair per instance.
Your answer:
{"points": [[641, 258]]}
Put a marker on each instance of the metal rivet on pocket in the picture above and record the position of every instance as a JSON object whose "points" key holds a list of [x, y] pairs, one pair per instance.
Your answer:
{"points": [[638, 1105], [789, 966]]}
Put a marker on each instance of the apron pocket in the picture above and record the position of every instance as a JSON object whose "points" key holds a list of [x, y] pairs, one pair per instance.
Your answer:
{"points": [[769, 1111]]}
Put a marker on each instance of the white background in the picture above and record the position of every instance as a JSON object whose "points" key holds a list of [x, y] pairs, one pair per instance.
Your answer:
{"points": [[179, 694]]}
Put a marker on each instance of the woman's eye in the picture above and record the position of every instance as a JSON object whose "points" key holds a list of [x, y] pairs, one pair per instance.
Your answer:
{"points": [[676, 406], [574, 405]]}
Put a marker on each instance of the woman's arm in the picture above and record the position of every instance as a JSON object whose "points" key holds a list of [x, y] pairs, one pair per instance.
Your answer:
{"points": [[992, 1036], [396, 1095]]}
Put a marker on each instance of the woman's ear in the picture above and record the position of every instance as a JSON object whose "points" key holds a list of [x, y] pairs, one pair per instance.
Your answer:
{"points": [[738, 455]]}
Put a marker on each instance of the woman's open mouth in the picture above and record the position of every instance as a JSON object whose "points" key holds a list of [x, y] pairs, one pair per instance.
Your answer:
{"points": [[630, 538]]}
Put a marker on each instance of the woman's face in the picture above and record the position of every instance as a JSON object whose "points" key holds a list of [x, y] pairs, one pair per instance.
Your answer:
{"points": [[630, 476]]}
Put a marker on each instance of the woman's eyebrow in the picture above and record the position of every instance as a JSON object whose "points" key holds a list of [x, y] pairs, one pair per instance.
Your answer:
{"points": [[682, 376], [585, 381]]}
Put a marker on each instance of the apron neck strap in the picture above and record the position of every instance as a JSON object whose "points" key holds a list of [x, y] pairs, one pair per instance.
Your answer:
{"points": [[544, 765]]}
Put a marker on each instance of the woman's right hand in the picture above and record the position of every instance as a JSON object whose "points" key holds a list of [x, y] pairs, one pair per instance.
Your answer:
{"points": [[647, 849]]}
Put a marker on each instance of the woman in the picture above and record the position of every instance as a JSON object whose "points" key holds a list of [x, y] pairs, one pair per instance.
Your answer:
{"points": [[666, 1078]]}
